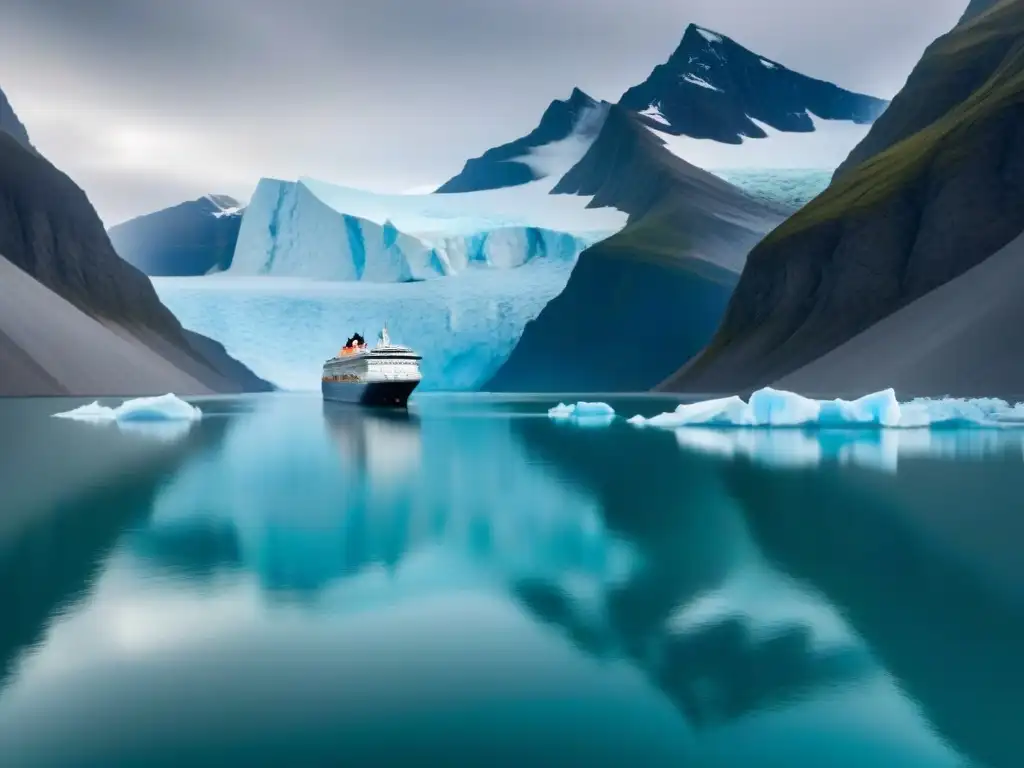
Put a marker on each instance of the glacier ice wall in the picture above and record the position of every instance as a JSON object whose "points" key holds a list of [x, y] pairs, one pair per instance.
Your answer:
{"points": [[322, 231], [465, 326]]}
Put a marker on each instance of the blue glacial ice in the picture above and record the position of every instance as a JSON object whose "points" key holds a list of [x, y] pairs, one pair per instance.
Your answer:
{"points": [[465, 326], [777, 408], [164, 408], [321, 231], [314, 229]]}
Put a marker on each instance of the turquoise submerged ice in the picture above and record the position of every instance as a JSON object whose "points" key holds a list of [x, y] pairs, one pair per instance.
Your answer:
{"points": [[777, 408]]}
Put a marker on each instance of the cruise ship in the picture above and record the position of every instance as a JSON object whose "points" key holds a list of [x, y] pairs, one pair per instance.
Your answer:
{"points": [[383, 375]]}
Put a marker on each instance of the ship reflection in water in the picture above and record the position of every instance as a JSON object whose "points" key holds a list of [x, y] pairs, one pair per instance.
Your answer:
{"points": [[306, 583]]}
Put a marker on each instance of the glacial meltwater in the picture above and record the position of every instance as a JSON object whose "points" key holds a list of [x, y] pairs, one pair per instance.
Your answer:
{"points": [[284, 582]]}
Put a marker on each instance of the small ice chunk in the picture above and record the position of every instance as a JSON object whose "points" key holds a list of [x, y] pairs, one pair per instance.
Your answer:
{"points": [[167, 407], [583, 413]]}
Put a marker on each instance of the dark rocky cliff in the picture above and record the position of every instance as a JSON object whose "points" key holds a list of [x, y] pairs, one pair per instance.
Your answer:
{"points": [[941, 190], [49, 230]]}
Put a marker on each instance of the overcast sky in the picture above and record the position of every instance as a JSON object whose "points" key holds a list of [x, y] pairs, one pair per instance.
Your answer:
{"points": [[146, 103]]}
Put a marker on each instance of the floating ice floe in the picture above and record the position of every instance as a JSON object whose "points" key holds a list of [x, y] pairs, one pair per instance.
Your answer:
{"points": [[165, 408], [777, 408], [597, 414]]}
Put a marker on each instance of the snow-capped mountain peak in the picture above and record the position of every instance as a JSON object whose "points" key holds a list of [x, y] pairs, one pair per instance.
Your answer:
{"points": [[713, 94]]}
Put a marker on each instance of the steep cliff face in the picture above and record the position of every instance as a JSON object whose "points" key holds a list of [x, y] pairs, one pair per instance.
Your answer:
{"points": [[951, 69], [929, 203], [50, 232], [49, 229]]}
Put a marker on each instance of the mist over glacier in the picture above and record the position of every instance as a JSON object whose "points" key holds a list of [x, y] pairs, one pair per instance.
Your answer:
{"points": [[465, 326]]}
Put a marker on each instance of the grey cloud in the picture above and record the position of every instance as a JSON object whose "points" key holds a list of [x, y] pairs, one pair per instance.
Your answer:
{"points": [[142, 101]]}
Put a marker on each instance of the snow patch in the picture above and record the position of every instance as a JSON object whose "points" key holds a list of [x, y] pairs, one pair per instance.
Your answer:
{"points": [[653, 111], [164, 408], [778, 408], [555, 159], [768, 64], [696, 80], [711, 37], [826, 147]]}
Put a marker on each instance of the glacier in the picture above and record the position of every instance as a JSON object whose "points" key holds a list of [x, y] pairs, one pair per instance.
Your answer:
{"points": [[321, 231], [770, 407], [283, 329], [164, 408]]}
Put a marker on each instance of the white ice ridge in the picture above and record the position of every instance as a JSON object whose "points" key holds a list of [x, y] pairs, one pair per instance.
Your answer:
{"points": [[164, 408], [583, 413], [777, 408]]}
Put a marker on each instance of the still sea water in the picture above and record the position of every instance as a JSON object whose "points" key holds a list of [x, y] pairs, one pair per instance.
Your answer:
{"points": [[290, 583]]}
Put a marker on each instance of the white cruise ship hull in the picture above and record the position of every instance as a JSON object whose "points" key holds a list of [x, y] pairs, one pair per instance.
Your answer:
{"points": [[385, 394]]}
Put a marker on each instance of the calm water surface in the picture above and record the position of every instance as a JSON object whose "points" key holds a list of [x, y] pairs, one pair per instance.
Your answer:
{"points": [[294, 584]]}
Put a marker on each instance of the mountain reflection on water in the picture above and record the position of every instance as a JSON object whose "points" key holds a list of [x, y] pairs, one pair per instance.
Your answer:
{"points": [[293, 582]]}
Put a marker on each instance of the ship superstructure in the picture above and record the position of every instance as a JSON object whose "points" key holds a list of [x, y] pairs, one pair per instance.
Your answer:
{"points": [[385, 374]]}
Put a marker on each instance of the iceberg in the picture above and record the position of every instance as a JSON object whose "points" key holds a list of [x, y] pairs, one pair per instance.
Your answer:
{"points": [[778, 408], [165, 408], [583, 413]]}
